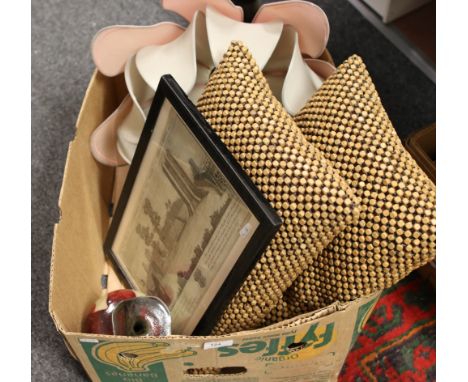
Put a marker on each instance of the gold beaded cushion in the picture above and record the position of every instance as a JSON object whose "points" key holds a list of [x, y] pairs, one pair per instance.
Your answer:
{"points": [[395, 233], [309, 195]]}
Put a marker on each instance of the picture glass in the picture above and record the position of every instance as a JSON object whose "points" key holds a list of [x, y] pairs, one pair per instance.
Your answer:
{"points": [[184, 225]]}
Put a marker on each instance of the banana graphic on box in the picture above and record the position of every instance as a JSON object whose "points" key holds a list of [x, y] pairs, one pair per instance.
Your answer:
{"points": [[136, 356]]}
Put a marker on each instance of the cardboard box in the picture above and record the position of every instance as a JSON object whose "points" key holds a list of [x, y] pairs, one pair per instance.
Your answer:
{"points": [[393, 9], [311, 347], [422, 147]]}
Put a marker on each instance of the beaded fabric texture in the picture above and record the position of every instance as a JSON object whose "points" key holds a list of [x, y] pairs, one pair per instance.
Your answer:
{"points": [[395, 233], [309, 195]]}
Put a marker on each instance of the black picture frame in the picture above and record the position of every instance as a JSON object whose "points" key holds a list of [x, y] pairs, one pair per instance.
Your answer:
{"points": [[170, 93]]}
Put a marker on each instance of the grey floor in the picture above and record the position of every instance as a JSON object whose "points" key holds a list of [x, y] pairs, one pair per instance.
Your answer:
{"points": [[61, 68]]}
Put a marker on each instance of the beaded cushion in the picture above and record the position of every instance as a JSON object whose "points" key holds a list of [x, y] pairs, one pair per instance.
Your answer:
{"points": [[395, 233], [309, 195]]}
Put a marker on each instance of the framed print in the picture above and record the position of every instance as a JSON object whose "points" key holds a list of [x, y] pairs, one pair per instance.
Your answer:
{"points": [[190, 224]]}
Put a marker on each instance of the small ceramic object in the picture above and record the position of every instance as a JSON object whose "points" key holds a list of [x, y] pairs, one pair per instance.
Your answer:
{"points": [[141, 316], [127, 312], [99, 320]]}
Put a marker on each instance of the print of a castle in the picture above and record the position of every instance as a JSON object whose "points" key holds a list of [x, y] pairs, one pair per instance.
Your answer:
{"points": [[191, 191]]}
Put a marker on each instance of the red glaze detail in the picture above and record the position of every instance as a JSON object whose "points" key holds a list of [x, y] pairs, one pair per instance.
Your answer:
{"points": [[99, 322], [120, 295]]}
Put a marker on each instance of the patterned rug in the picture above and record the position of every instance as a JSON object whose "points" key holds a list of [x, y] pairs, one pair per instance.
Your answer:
{"points": [[398, 342]]}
